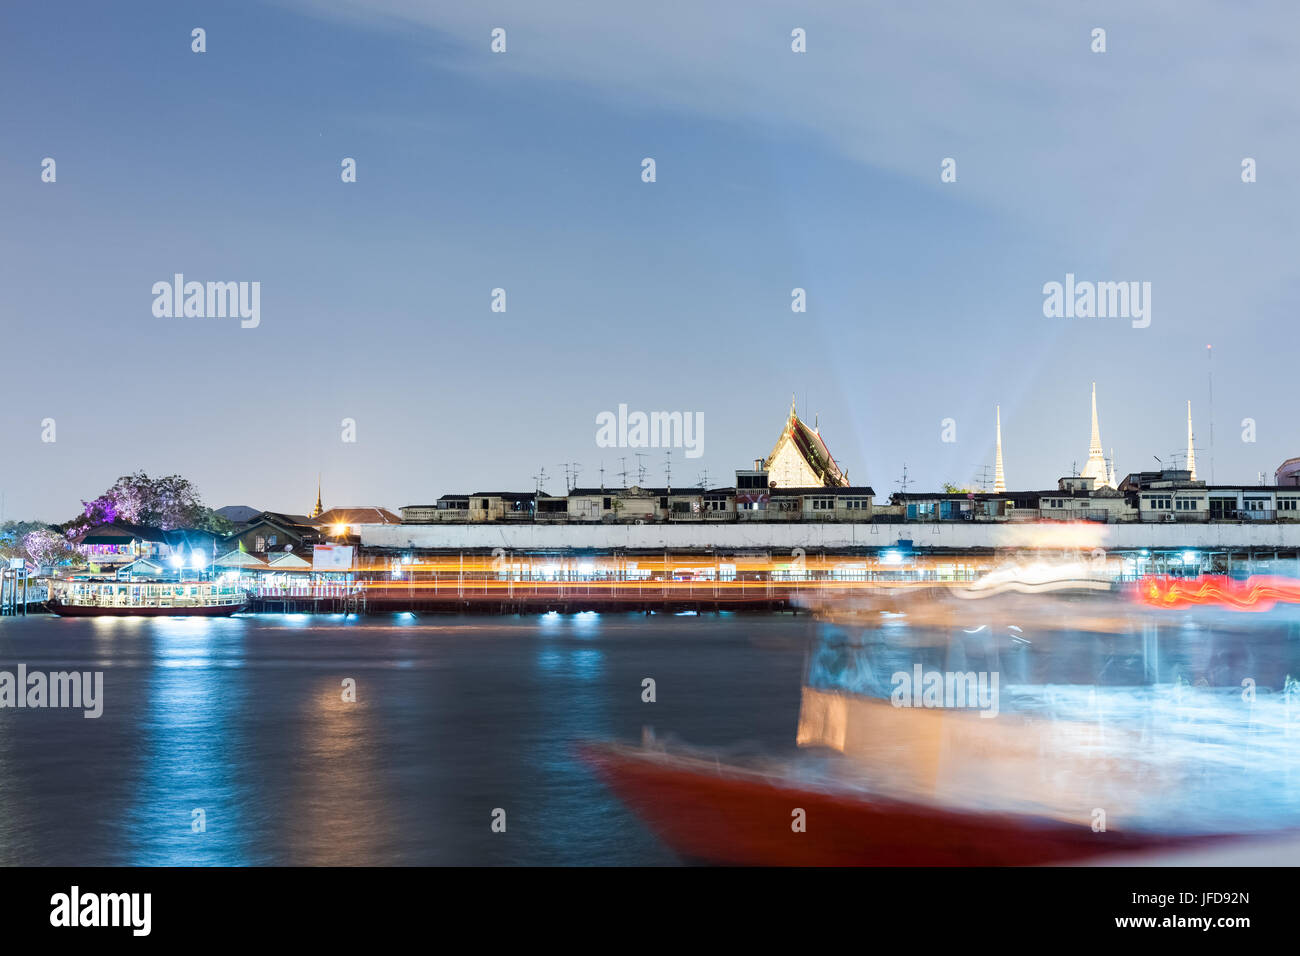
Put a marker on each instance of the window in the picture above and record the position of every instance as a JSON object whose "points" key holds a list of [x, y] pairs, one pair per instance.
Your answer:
{"points": [[823, 504], [1185, 504], [608, 503], [1159, 502], [1286, 504]]}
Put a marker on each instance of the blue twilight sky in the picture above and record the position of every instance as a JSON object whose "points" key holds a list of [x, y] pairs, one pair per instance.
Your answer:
{"points": [[522, 170]]}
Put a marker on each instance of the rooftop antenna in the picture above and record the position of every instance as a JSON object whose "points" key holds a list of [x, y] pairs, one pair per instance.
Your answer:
{"points": [[704, 480], [622, 474], [904, 481], [668, 470], [571, 471], [640, 468], [602, 474], [540, 479], [982, 477]]}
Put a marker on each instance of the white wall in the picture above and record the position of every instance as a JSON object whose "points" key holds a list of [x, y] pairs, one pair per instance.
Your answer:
{"points": [[754, 535]]}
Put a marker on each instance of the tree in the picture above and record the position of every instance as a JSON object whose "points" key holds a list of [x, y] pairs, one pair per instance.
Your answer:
{"points": [[168, 502], [46, 546], [36, 542]]}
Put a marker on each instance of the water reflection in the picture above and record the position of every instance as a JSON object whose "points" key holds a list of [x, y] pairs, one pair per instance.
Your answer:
{"points": [[190, 740], [454, 717]]}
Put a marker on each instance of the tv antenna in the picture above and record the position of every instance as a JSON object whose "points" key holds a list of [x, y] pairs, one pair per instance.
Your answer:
{"points": [[640, 468], [571, 471], [668, 471], [982, 478], [540, 479], [622, 474], [704, 480], [904, 481]]}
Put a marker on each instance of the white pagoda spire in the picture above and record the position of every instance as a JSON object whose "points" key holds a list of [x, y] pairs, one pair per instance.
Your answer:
{"points": [[1191, 449], [1096, 466], [999, 480]]}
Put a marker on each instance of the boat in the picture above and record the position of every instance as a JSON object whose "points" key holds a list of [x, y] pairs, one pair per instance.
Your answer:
{"points": [[98, 598], [1145, 761], [716, 813]]}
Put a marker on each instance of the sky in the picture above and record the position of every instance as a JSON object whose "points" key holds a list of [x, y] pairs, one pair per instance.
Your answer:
{"points": [[522, 171]]}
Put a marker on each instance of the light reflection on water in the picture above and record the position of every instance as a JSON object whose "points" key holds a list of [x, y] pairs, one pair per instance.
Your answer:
{"points": [[454, 717]]}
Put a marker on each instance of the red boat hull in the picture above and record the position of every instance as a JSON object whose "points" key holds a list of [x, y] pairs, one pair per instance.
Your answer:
{"points": [[81, 610], [712, 813]]}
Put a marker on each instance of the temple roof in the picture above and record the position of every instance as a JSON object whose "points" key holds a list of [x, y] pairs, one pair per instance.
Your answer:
{"points": [[808, 442]]}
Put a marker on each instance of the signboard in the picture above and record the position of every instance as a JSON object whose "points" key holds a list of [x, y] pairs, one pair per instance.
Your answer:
{"points": [[332, 557]]}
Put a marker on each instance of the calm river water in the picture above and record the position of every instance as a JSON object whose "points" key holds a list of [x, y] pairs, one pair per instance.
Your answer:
{"points": [[244, 719]]}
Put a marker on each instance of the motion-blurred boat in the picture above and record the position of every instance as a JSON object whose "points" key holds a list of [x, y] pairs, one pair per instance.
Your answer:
{"points": [[1102, 736], [710, 812]]}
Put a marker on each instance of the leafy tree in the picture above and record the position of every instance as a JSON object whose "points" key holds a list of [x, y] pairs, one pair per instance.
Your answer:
{"points": [[36, 542], [168, 502], [46, 546]]}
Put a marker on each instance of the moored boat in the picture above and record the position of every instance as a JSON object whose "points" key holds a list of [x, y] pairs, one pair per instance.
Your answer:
{"points": [[145, 598]]}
